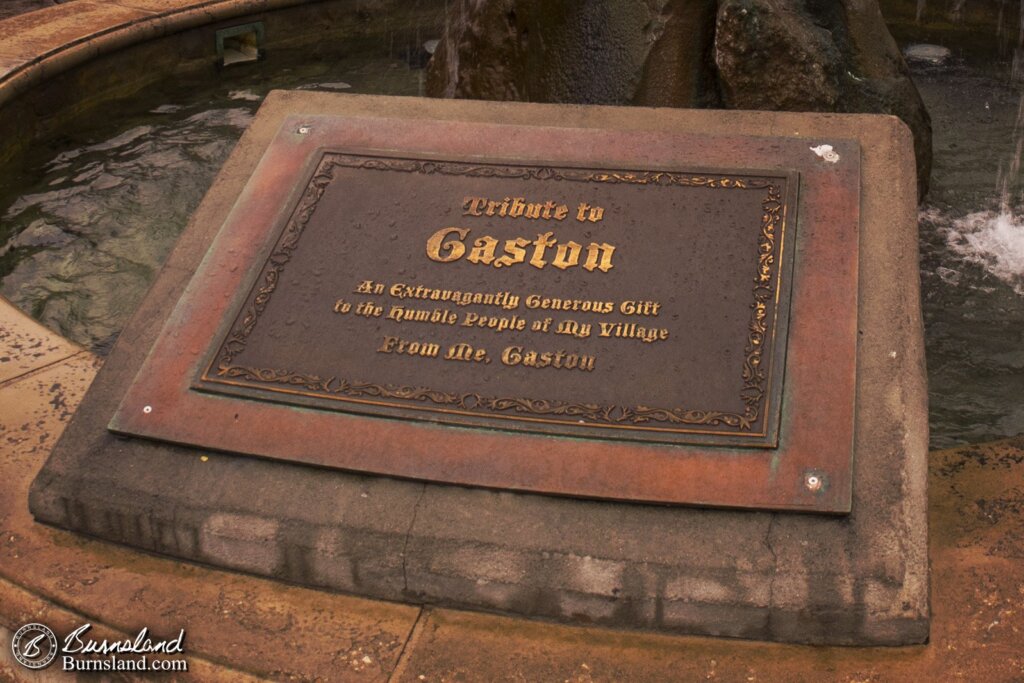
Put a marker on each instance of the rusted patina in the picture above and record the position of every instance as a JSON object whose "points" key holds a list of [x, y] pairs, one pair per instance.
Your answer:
{"points": [[288, 336]]}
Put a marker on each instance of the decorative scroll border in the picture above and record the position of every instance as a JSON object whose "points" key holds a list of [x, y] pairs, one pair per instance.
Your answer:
{"points": [[754, 375]]}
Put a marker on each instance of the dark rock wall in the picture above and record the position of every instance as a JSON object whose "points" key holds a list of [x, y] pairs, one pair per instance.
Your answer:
{"points": [[790, 55], [656, 52], [599, 52], [817, 55]]}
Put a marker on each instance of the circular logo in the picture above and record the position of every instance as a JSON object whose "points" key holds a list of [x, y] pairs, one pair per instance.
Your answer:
{"points": [[34, 646]]}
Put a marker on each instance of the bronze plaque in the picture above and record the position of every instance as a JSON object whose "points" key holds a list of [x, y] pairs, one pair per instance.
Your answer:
{"points": [[620, 303], [380, 282]]}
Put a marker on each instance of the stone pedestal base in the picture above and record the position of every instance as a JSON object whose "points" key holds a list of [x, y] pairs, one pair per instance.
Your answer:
{"points": [[854, 579]]}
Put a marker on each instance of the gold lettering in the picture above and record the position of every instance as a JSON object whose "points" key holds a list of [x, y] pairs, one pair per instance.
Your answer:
{"points": [[605, 251], [586, 212], [498, 323], [647, 335], [540, 244], [534, 301], [567, 255], [409, 348], [574, 328], [454, 249], [483, 250], [466, 352], [472, 206], [517, 208], [639, 308], [541, 325], [560, 359], [370, 287], [437, 316], [449, 244], [515, 252]]}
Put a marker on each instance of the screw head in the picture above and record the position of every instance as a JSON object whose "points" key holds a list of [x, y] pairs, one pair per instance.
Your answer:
{"points": [[814, 482], [303, 130], [147, 410]]}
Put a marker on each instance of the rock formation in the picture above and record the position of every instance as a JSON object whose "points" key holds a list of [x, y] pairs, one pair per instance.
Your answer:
{"points": [[789, 55]]}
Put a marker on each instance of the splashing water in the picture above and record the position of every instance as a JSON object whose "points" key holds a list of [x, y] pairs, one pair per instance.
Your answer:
{"points": [[995, 239], [972, 250], [1009, 177]]}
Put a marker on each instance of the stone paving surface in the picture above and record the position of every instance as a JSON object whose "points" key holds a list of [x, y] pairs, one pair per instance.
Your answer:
{"points": [[25, 345]]}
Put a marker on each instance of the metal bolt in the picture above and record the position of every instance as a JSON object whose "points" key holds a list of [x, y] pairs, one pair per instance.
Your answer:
{"points": [[147, 410], [813, 482]]}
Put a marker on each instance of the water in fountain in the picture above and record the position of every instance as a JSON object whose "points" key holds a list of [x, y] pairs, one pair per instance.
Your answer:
{"points": [[972, 246], [994, 238], [85, 229]]}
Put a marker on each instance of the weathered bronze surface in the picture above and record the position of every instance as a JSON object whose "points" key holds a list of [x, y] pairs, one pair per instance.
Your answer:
{"points": [[631, 304], [613, 287]]}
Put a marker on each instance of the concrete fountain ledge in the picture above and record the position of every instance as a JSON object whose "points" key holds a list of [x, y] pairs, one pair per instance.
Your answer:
{"points": [[37, 46], [66, 64]]}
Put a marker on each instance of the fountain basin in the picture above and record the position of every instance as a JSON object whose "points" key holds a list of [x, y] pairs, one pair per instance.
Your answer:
{"points": [[62, 64], [64, 68]]}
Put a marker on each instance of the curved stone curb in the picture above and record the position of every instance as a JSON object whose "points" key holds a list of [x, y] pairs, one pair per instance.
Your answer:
{"points": [[39, 45], [27, 346]]}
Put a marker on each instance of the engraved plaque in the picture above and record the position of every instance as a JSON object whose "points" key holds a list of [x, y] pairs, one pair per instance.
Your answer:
{"points": [[620, 303], [606, 299]]}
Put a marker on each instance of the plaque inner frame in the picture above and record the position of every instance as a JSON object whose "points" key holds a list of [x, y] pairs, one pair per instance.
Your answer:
{"points": [[758, 376]]}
